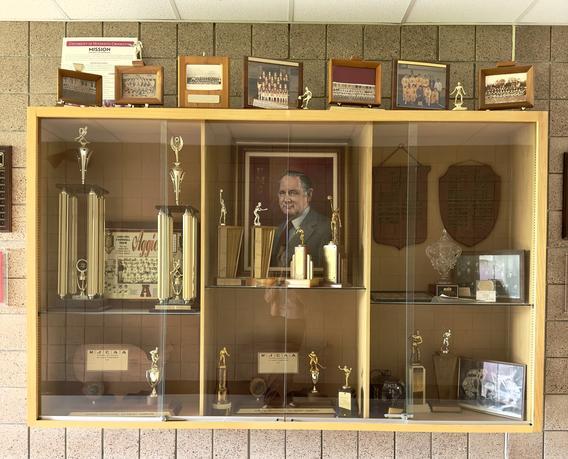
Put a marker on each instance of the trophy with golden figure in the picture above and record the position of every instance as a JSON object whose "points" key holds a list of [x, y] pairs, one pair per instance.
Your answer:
{"points": [[262, 238], [229, 242], [177, 279], [333, 264], [346, 395], [81, 276], [302, 266], [153, 374], [417, 377], [222, 403], [446, 374]]}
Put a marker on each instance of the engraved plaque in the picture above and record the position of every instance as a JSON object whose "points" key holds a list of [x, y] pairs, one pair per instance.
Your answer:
{"points": [[107, 359], [277, 362], [394, 209], [469, 202]]}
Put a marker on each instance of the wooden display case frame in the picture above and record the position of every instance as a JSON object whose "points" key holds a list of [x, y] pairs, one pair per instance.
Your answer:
{"points": [[534, 326]]}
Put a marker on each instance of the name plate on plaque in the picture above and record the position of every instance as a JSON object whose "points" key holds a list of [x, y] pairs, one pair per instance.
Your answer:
{"points": [[345, 399], [107, 360], [278, 362]]}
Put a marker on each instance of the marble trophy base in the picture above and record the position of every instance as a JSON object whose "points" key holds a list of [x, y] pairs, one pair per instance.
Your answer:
{"points": [[261, 282], [346, 402], [459, 108], [174, 305], [446, 375], [303, 283], [229, 282], [222, 407], [447, 290], [417, 386]]}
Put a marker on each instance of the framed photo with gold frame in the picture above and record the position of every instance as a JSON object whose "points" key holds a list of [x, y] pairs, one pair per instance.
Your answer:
{"points": [[420, 85], [203, 81], [506, 86], [139, 84], [354, 82], [79, 88]]}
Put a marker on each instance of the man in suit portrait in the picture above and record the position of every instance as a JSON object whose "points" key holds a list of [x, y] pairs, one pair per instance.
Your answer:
{"points": [[294, 197]]}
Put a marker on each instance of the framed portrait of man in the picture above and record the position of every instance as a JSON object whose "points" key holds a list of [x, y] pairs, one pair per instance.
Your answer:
{"points": [[293, 185]]}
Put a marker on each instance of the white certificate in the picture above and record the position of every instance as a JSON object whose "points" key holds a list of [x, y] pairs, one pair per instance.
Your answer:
{"points": [[99, 55]]}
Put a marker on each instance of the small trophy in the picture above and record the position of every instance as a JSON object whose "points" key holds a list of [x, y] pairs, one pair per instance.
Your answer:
{"points": [[261, 249], [332, 261], [72, 272], [443, 255], [177, 279], [446, 370], [153, 373], [222, 403], [301, 266], [346, 395], [458, 100], [138, 50], [314, 373], [229, 242], [417, 377]]}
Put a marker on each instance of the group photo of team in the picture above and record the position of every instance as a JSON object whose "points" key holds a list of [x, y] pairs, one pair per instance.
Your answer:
{"points": [[421, 86], [505, 88]]}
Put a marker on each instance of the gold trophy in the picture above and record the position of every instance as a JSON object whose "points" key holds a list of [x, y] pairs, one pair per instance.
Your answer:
{"points": [[229, 242], [261, 249], [301, 266], [332, 261], [346, 395], [153, 373], [314, 373], [177, 280], [72, 272], [222, 403], [446, 374], [417, 378]]}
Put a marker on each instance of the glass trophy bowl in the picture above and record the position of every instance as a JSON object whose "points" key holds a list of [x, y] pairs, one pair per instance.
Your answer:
{"points": [[443, 255]]}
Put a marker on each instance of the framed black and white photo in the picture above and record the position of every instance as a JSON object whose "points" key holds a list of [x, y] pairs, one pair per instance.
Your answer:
{"points": [[420, 85], [203, 81], [505, 267], [354, 82], [272, 84], [79, 88], [492, 387], [507, 86], [139, 84]]}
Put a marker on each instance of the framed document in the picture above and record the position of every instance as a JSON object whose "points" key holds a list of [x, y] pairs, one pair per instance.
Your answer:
{"points": [[203, 81], [79, 88]]}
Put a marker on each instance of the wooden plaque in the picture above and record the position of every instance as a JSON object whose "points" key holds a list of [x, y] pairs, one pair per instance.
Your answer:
{"points": [[391, 214], [469, 196]]}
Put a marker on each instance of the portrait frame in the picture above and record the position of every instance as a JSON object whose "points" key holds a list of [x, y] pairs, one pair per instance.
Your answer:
{"points": [[252, 76], [354, 74], [203, 81], [79, 88], [437, 77], [269, 162], [129, 75], [506, 267], [526, 100], [492, 387]]}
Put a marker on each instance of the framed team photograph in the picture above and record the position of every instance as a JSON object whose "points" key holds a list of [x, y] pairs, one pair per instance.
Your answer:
{"points": [[79, 88], [139, 84], [420, 85], [272, 84], [203, 81], [509, 86], [316, 171], [354, 82], [492, 387]]}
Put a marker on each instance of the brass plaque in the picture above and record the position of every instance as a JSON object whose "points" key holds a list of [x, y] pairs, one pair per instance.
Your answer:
{"points": [[470, 196], [400, 201]]}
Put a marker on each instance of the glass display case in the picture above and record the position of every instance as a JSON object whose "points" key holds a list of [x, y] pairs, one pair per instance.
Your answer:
{"points": [[353, 269]]}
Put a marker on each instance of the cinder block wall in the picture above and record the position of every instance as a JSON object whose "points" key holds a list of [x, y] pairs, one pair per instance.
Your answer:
{"points": [[29, 56]]}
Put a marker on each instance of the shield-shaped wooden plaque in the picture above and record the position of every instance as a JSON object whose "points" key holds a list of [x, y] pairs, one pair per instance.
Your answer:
{"points": [[395, 210], [470, 196]]}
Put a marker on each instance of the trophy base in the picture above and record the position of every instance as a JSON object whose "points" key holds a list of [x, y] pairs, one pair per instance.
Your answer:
{"points": [[303, 283], [418, 408], [229, 281], [261, 282], [332, 285], [444, 290], [459, 108], [346, 402], [223, 408], [174, 305]]}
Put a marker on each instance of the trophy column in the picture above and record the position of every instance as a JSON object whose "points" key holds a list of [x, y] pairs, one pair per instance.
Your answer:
{"points": [[417, 379], [229, 242]]}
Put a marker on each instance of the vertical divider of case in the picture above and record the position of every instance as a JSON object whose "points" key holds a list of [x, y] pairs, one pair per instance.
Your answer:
{"points": [[71, 257], [63, 245], [203, 244]]}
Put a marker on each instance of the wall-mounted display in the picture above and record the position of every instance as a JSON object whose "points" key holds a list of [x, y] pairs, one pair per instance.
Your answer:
{"points": [[203, 81], [139, 84], [492, 387], [5, 189], [506, 86], [506, 268], [420, 85], [272, 84], [354, 82], [79, 88]]}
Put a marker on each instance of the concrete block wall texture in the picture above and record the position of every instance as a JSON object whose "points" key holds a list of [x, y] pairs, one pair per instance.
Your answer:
{"points": [[29, 55]]}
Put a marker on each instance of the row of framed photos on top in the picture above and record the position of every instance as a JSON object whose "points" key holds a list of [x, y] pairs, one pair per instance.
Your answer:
{"points": [[275, 84]]}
